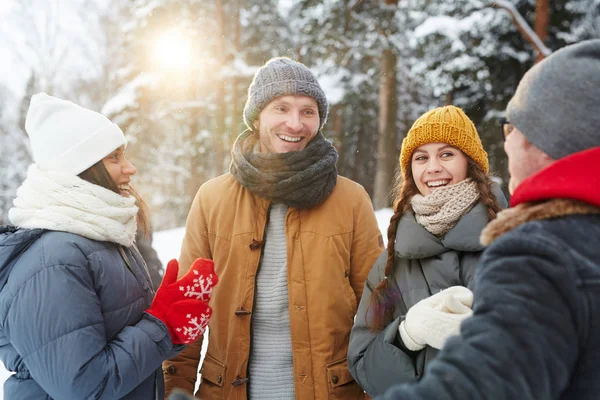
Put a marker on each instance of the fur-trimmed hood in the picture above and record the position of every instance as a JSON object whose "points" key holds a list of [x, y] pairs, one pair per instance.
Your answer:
{"points": [[570, 186], [511, 218]]}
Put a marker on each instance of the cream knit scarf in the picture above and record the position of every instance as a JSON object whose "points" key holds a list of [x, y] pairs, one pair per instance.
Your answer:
{"points": [[439, 211], [61, 202]]}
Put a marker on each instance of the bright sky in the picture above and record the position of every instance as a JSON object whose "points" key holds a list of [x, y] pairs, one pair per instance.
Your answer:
{"points": [[9, 67], [5, 5], [285, 5]]}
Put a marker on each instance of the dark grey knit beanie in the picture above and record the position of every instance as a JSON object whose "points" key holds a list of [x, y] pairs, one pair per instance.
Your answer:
{"points": [[282, 76], [557, 103]]}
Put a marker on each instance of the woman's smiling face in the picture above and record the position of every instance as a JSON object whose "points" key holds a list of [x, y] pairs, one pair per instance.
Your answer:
{"points": [[436, 165], [120, 169]]}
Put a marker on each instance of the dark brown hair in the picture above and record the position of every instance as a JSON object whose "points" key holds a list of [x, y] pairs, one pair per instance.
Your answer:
{"points": [[98, 175], [383, 301]]}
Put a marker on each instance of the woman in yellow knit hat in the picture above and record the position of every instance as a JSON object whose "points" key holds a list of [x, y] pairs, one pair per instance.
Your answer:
{"points": [[418, 291]]}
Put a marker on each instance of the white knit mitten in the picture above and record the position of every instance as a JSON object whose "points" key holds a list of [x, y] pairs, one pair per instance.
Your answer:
{"points": [[434, 319]]}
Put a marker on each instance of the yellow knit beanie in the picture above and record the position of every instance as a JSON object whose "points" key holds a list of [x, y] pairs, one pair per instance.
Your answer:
{"points": [[447, 124]]}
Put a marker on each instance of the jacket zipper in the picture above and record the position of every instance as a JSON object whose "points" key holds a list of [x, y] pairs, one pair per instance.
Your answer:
{"points": [[156, 374], [262, 247], [126, 259], [145, 268]]}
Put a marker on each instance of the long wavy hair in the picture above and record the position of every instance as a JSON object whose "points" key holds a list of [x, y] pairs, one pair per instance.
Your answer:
{"points": [[98, 175], [384, 298]]}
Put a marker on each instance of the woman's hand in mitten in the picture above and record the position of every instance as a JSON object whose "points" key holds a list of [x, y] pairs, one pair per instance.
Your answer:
{"points": [[434, 319], [182, 305]]}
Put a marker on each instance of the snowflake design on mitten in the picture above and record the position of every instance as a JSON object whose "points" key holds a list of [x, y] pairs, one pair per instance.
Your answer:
{"points": [[200, 289], [195, 326]]}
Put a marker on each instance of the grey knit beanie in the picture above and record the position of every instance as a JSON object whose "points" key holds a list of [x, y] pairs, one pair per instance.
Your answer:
{"points": [[282, 76], [557, 103]]}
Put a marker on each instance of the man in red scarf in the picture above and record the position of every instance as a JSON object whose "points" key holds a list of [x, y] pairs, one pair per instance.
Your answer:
{"points": [[536, 315]]}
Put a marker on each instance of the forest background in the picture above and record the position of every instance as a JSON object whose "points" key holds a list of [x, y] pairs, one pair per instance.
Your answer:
{"points": [[174, 75]]}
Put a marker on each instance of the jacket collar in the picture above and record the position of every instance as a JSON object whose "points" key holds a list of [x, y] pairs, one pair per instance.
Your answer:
{"points": [[414, 242], [567, 187]]}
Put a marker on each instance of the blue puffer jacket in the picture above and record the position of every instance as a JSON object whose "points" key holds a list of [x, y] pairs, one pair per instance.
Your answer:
{"points": [[72, 321]]}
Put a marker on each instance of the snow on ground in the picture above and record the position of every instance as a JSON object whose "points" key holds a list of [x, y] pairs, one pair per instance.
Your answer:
{"points": [[168, 245], [383, 220], [4, 374]]}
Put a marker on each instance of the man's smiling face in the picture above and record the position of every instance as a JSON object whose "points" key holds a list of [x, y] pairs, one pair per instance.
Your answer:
{"points": [[288, 123]]}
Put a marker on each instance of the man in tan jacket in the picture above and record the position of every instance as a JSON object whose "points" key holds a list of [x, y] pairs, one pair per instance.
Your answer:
{"points": [[292, 243]]}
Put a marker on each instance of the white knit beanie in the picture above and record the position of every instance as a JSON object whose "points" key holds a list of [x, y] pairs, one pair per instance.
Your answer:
{"points": [[68, 138]]}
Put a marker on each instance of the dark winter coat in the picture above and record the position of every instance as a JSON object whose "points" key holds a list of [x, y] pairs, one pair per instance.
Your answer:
{"points": [[536, 314], [424, 264], [72, 321]]}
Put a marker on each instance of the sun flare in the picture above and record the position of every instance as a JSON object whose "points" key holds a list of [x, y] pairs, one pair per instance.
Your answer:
{"points": [[172, 51]]}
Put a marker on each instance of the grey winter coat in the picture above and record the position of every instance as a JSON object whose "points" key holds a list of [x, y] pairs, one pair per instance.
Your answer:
{"points": [[72, 321], [424, 264]]}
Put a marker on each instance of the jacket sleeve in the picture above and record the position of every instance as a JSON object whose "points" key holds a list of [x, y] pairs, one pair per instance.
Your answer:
{"points": [[182, 370], [367, 243], [62, 339], [378, 360], [521, 342]]}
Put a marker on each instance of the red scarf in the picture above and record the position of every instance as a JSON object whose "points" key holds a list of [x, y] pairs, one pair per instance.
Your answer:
{"points": [[576, 177]]}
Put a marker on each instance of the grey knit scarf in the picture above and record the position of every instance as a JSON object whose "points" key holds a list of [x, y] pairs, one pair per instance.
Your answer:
{"points": [[300, 179]]}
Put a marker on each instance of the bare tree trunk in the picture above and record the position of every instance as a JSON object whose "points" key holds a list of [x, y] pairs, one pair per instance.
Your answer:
{"points": [[449, 98], [221, 111], [523, 27], [196, 178], [542, 18], [361, 158], [236, 112], [336, 124], [386, 145], [347, 15]]}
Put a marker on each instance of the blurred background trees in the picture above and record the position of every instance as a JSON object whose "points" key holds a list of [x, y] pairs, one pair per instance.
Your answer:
{"points": [[174, 75]]}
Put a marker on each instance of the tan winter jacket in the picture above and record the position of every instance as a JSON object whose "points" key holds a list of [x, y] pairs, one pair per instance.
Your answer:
{"points": [[330, 250]]}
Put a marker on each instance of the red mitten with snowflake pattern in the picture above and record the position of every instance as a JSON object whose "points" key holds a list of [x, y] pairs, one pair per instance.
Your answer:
{"points": [[187, 320], [182, 304]]}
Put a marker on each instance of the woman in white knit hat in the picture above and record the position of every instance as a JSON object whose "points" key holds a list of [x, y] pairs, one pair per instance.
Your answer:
{"points": [[418, 292], [79, 317]]}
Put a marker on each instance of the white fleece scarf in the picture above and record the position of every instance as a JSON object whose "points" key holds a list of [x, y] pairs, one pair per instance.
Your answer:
{"points": [[60, 202]]}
